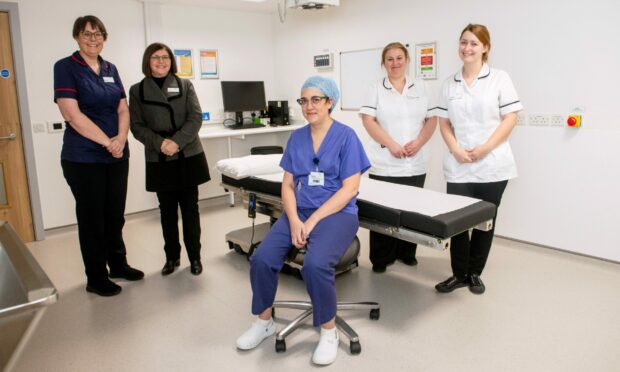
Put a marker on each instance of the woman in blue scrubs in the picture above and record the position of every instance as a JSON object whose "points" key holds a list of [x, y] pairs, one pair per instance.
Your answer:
{"points": [[323, 164]]}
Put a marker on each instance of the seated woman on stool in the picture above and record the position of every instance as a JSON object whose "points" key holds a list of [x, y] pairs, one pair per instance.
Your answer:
{"points": [[323, 163]]}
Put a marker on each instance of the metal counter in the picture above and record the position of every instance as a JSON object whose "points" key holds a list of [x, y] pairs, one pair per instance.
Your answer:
{"points": [[25, 291]]}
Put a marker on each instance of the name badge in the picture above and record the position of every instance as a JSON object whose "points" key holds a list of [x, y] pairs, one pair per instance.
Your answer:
{"points": [[173, 90], [108, 79], [316, 179]]}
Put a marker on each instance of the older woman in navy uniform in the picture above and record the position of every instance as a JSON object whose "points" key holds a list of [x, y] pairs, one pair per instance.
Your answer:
{"points": [[166, 118], [477, 111], [95, 156], [323, 164]]}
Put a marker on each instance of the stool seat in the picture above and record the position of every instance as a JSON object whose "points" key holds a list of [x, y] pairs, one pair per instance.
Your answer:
{"points": [[347, 262]]}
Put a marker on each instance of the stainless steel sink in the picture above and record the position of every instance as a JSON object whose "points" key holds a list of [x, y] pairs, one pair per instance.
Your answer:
{"points": [[25, 291]]}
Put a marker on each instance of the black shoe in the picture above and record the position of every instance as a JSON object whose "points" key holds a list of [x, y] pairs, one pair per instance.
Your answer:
{"points": [[379, 268], [476, 285], [451, 284], [127, 273], [410, 261], [195, 267], [106, 288], [169, 267]]}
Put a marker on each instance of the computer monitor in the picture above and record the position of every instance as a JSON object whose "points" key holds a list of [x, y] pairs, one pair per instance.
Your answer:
{"points": [[242, 96]]}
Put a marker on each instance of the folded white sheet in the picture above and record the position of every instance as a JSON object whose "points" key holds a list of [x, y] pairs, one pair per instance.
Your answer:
{"points": [[251, 165]]}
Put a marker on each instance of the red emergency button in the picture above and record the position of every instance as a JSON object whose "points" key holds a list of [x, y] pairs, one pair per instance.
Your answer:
{"points": [[574, 121]]}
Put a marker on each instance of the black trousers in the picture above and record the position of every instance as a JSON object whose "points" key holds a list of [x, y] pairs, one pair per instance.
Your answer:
{"points": [[169, 203], [385, 249], [100, 192], [468, 255]]}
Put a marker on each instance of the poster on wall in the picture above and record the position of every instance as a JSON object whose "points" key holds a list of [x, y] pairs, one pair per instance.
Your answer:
{"points": [[426, 60], [208, 64], [185, 68]]}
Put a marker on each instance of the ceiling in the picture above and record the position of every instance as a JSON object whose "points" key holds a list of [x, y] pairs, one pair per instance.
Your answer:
{"points": [[268, 6]]}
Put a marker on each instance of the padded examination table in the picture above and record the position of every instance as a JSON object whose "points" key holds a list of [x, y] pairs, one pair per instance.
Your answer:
{"points": [[414, 214]]}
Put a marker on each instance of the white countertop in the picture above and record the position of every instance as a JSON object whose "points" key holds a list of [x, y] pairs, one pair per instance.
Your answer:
{"points": [[220, 131]]}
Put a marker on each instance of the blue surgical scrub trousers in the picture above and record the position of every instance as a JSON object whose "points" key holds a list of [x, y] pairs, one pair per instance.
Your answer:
{"points": [[328, 241]]}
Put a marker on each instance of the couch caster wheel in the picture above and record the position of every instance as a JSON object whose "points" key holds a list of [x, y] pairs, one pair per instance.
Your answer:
{"points": [[375, 314], [355, 347], [280, 346]]}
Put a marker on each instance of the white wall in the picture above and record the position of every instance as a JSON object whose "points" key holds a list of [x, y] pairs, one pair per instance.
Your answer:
{"points": [[245, 45], [244, 41], [557, 56], [46, 34]]}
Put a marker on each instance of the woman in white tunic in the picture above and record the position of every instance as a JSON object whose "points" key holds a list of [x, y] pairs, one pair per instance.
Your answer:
{"points": [[477, 111], [399, 116]]}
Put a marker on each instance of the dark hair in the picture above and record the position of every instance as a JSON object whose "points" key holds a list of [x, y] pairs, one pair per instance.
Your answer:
{"points": [[482, 34], [80, 25], [146, 58], [394, 45]]}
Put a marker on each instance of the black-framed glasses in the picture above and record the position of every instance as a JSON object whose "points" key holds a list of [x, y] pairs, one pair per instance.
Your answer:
{"points": [[96, 35], [314, 99], [165, 58]]}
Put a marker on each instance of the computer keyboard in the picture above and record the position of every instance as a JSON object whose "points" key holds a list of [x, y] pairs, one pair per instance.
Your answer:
{"points": [[247, 126]]}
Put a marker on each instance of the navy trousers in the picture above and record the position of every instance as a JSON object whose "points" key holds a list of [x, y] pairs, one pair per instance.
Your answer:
{"points": [[328, 241]]}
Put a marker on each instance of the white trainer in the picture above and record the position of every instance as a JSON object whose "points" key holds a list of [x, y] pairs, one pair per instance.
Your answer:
{"points": [[327, 349], [260, 330]]}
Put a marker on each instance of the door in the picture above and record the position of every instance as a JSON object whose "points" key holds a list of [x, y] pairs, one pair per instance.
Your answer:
{"points": [[14, 195]]}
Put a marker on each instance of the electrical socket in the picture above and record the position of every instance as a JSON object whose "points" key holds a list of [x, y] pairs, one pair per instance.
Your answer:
{"points": [[557, 120], [539, 120], [520, 118]]}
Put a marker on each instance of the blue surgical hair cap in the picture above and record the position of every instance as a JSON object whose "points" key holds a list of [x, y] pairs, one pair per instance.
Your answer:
{"points": [[326, 85]]}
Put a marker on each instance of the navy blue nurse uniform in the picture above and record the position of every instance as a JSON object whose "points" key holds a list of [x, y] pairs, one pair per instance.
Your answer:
{"points": [[340, 156], [98, 181]]}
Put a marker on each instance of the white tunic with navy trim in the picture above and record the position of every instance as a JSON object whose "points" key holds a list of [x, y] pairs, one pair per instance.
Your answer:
{"points": [[475, 112], [402, 116]]}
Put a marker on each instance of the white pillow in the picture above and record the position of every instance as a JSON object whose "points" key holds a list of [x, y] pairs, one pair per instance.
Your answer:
{"points": [[250, 165]]}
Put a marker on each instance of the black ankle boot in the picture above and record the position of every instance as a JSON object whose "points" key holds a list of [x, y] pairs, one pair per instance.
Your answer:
{"points": [[169, 267]]}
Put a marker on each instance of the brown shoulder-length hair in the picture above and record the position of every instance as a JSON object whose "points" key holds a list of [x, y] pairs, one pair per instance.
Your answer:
{"points": [[80, 24], [482, 33], [146, 58], [394, 45]]}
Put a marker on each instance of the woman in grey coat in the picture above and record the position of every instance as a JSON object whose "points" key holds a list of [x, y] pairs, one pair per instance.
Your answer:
{"points": [[166, 117]]}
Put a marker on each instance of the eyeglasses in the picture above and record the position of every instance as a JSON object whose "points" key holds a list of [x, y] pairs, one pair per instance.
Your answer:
{"points": [[88, 34], [165, 58], [314, 99]]}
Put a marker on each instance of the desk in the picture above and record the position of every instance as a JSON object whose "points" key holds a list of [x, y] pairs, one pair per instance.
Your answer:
{"points": [[209, 131]]}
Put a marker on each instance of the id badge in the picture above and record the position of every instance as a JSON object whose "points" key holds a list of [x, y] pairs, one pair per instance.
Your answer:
{"points": [[316, 179], [173, 90], [108, 79]]}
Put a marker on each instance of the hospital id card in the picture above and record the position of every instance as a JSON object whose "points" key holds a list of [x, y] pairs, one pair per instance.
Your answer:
{"points": [[316, 179]]}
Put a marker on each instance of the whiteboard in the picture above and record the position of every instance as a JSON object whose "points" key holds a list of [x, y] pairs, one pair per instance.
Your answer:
{"points": [[358, 70]]}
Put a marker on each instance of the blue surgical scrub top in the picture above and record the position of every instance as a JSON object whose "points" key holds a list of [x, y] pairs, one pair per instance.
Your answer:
{"points": [[98, 97], [340, 156]]}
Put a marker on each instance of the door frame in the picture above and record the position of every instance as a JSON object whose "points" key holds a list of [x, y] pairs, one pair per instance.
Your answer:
{"points": [[24, 117]]}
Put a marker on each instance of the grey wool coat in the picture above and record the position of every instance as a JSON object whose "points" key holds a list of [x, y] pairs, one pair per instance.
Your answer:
{"points": [[172, 112]]}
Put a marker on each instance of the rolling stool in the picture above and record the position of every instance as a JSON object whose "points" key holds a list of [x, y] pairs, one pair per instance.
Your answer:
{"points": [[347, 262]]}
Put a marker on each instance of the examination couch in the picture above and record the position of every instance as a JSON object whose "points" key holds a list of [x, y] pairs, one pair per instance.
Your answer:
{"points": [[421, 216], [413, 214]]}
